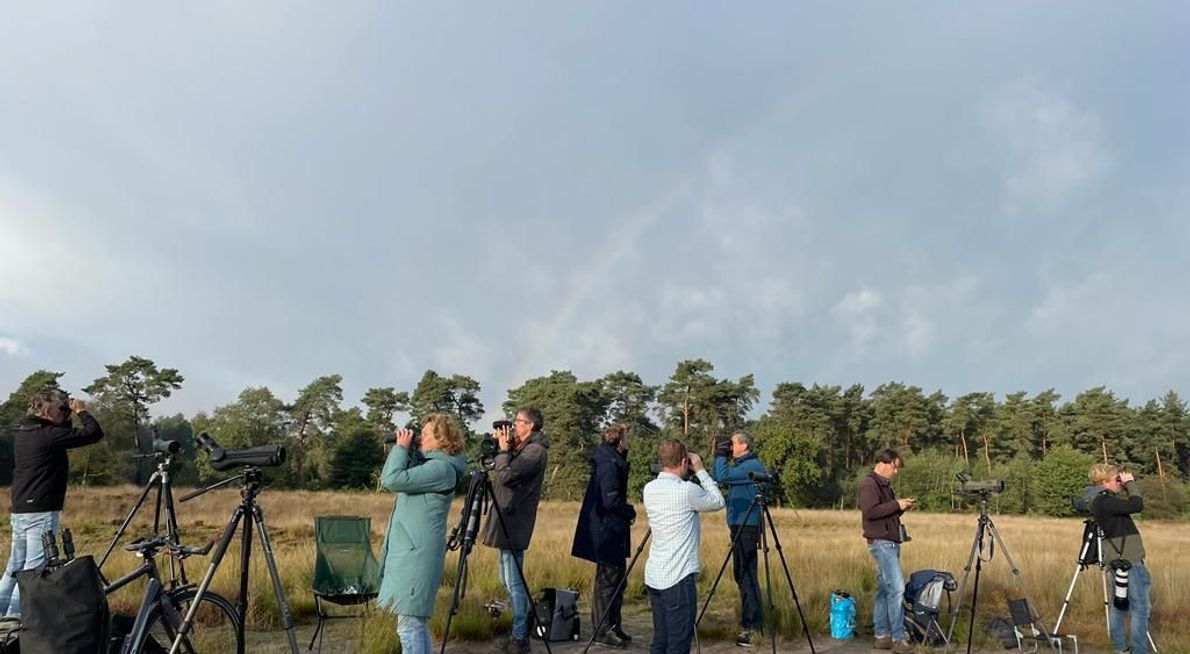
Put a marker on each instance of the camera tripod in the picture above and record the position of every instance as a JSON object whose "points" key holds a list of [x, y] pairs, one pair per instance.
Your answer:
{"points": [[160, 481], [480, 499], [1091, 553], [760, 505], [250, 485], [985, 527]]}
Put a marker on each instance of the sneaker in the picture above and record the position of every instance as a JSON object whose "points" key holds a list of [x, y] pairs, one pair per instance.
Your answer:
{"points": [[611, 639], [745, 639], [882, 642], [902, 647], [620, 632]]}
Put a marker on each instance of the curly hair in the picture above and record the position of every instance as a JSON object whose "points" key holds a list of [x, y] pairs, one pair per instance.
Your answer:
{"points": [[47, 398], [447, 429]]}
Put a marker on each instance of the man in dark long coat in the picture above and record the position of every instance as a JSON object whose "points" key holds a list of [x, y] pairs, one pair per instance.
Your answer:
{"points": [[603, 531]]}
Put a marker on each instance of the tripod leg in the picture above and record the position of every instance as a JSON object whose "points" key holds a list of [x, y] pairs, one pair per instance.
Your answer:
{"points": [[460, 583], [266, 546], [730, 553], [954, 612], [623, 585], [172, 530], [789, 579], [1078, 568], [768, 585], [974, 601], [127, 520], [245, 560], [220, 550]]}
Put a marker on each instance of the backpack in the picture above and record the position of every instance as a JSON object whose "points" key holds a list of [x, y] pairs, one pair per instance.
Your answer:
{"points": [[63, 609], [922, 603]]}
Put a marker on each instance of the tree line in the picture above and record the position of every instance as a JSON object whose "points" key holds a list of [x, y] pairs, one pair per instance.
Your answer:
{"points": [[818, 440]]}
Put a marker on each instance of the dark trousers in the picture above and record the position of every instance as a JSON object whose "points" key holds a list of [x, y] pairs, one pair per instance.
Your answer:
{"points": [[673, 617], [743, 568], [605, 601]]}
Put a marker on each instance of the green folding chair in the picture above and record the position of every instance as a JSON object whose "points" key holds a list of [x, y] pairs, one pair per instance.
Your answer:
{"points": [[345, 569]]}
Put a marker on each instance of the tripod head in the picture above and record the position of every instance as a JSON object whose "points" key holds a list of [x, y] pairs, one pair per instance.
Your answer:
{"points": [[474, 506]]}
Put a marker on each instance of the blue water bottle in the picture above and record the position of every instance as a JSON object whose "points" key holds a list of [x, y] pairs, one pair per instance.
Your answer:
{"points": [[842, 615]]}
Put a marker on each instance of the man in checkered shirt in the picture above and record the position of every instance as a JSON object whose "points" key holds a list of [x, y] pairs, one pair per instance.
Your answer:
{"points": [[671, 572]]}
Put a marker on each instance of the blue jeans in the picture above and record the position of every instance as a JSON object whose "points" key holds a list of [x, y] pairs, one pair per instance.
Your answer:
{"points": [[27, 553], [888, 618], [414, 633], [518, 597], [1138, 605], [674, 611]]}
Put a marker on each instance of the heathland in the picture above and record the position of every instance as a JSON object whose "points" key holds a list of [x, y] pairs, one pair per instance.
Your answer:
{"points": [[823, 548]]}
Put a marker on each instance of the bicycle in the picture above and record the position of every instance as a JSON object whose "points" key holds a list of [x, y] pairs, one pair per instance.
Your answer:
{"points": [[160, 614]]}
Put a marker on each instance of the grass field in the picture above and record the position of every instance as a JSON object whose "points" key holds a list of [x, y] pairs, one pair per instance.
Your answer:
{"points": [[824, 550]]}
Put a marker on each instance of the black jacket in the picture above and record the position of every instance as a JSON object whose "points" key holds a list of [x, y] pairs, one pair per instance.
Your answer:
{"points": [[1121, 538], [516, 483], [604, 521], [40, 463]]}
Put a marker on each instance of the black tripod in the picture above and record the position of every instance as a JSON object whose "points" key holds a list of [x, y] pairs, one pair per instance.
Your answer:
{"points": [[250, 486], [480, 499], [163, 456], [620, 588], [760, 504], [985, 527]]}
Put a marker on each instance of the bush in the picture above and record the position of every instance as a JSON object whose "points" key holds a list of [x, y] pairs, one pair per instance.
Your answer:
{"points": [[1165, 498], [1057, 477], [928, 477]]}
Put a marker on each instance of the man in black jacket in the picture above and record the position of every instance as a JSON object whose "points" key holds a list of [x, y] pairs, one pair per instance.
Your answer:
{"points": [[516, 477], [603, 532], [40, 466], [1122, 542]]}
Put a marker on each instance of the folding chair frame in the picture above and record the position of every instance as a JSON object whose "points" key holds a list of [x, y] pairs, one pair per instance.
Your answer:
{"points": [[1023, 619]]}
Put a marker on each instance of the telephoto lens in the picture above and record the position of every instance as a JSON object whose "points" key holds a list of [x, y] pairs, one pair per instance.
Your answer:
{"points": [[1120, 594]]}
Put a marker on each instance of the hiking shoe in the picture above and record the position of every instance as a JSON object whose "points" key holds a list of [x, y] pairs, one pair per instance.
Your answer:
{"points": [[882, 642], [517, 647], [745, 639], [902, 647], [620, 632], [611, 639]]}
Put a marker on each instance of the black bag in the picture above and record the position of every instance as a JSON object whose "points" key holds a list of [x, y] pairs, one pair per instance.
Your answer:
{"points": [[64, 609], [557, 617]]}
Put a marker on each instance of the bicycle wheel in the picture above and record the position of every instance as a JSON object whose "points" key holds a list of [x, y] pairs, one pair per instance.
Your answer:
{"points": [[215, 629]]}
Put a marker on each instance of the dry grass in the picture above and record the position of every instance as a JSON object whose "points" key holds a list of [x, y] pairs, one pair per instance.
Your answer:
{"points": [[823, 548]]}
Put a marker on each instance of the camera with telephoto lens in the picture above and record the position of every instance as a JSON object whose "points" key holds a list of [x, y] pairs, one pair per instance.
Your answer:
{"points": [[222, 458], [970, 486]]}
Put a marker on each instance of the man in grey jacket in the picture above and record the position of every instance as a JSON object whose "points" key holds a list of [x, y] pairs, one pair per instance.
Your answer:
{"points": [[516, 482]]}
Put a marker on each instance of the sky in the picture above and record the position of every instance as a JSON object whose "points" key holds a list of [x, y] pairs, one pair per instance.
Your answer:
{"points": [[976, 196]]}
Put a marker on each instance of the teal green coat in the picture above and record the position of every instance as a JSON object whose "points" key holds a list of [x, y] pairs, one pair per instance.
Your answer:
{"points": [[415, 544]]}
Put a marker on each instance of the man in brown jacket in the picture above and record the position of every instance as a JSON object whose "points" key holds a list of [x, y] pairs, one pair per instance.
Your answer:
{"points": [[881, 512]]}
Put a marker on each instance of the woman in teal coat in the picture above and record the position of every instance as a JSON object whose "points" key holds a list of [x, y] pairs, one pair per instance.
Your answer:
{"points": [[415, 545]]}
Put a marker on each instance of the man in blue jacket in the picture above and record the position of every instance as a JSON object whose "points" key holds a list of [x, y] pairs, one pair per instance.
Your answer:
{"points": [[744, 525]]}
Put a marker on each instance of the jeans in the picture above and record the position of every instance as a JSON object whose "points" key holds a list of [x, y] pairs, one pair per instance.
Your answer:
{"points": [[673, 616], [27, 553], [743, 568], [518, 597], [606, 603], [888, 618], [1138, 605], [414, 633]]}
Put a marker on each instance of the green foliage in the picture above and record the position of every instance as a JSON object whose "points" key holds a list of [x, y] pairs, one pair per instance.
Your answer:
{"points": [[357, 459], [457, 395], [1061, 474], [788, 451], [126, 391], [698, 406], [1165, 498], [929, 477], [383, 404], [257, 417]]}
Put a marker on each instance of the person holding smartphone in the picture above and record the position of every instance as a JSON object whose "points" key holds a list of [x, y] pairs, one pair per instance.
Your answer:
{"points": [[881, 511]]}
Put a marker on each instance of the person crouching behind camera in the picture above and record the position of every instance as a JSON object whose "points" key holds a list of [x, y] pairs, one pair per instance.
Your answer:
{"points": [[40, 467], [671, 572], [881, 512], [411, 560], [517, 474], [744, 525], [1123, 550], [603, 533]]}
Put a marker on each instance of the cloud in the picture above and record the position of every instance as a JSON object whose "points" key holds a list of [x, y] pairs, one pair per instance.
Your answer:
{"points": [[12, 347], [856, 312], [1052, 149]]}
